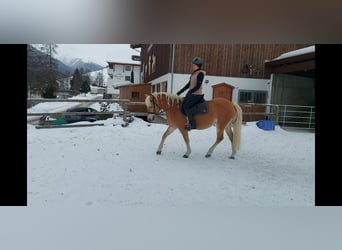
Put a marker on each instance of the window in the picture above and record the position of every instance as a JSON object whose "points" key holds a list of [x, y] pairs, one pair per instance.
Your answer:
{"points": [[253, 96], [127, 78], [128, 68], [135, 94]]}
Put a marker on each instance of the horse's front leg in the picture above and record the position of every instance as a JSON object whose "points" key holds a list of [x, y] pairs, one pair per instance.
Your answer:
{"points": [[168, 131], [185, 135]]}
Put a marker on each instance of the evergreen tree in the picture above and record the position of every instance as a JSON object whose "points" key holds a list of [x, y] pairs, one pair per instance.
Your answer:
{"points": [[85, 87], [76, 81], [132, 76]]}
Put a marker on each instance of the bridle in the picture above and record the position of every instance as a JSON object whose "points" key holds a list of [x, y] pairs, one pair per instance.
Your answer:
{"points": [[155, 104]]}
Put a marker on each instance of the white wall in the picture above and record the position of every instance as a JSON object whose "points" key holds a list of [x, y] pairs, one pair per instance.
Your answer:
{"points": [[179, 80], [119, 76]]}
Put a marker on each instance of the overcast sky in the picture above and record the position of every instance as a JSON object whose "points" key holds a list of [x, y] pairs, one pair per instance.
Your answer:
{"points": [[97, 53]]}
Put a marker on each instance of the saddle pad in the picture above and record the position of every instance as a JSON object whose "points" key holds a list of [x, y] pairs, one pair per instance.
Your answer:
{"points": [[200, 108]]}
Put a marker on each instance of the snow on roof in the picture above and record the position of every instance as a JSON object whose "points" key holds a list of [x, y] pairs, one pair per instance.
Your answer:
{"points": [[293, 53], [124, 62], [120, 84]]}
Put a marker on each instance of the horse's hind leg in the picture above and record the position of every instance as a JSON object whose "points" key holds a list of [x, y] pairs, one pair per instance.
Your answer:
{"points": [[168, 131], [229, 132], [219, 138]]}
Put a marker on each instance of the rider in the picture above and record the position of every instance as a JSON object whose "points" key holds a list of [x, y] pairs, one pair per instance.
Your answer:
{"points": [[194, 94]]}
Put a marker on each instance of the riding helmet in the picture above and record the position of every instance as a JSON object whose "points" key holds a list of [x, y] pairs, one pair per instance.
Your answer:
{"points": [[198, 61]]}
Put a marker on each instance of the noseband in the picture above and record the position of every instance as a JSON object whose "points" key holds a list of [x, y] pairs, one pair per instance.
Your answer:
{"points": [[154, 104]]}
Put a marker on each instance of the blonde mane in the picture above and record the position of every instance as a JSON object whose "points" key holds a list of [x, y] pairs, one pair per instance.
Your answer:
{"points": [[171, 99]]}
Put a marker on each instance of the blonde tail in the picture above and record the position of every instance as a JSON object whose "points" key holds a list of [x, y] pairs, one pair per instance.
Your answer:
{"points": [[237, 126]]}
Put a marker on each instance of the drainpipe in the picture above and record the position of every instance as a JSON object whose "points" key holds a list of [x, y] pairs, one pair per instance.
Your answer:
{"points": [[172, 66]]}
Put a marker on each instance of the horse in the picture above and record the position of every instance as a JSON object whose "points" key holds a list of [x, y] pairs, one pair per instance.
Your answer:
{"points": [[222, 113]]}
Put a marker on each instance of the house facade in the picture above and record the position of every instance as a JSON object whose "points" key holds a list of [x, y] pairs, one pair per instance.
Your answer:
{"points": [[121, 73]]}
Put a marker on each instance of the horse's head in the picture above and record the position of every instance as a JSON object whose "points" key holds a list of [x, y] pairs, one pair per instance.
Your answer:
{"points": [[151, 106], [158, 101]]}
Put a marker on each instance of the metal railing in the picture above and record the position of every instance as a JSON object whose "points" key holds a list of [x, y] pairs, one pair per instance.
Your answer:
{"points": [[297, 117], [286, 116]]}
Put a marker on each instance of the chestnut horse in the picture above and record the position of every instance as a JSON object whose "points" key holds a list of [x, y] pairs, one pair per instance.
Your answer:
{"points": [[224, 114]]}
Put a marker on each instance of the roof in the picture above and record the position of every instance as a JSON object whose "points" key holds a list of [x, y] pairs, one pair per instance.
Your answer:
{"points": [[131, 84], [123, 63], [297, 62], [294, 53]]}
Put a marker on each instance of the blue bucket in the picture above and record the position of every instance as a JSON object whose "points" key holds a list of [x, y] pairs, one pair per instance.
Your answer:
{"points": [[266, 124]]}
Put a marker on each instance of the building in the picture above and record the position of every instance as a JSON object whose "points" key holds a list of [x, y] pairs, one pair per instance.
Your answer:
{"points": [[238, 67], [121, 73], [293, 77]]}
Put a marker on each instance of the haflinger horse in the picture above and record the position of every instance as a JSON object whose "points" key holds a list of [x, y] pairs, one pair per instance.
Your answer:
{"points": [[222, 113]]}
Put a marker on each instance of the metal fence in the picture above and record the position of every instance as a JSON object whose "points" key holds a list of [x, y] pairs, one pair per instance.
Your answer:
{"points": [[286, 116], [297, 117]]}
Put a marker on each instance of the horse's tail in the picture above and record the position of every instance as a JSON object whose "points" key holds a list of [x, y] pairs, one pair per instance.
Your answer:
{"points": [[237, 124]]}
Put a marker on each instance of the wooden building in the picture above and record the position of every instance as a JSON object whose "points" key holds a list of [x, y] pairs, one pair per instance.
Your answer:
{"points": [[135, 93], [234, 60], [223, 90], [239, 72]]}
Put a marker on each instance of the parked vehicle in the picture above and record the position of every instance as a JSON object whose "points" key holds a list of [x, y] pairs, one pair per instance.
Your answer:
{"points": [[51, 120], [90, 115]]}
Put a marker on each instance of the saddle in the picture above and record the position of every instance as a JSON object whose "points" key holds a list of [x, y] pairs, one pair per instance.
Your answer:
{"points": [[199, 108]]}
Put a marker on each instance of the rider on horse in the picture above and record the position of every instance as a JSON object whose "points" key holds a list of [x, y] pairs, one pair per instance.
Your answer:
{"points": [[194, 94]]}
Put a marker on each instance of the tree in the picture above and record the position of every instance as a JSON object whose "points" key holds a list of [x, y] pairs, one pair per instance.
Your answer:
{"points": [[132, 76], [49, 92], [99, 79], [76, 81], [42, 69], [85, 87]]}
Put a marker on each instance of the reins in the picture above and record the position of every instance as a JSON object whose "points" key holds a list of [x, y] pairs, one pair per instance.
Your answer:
{"points": [[154, 104]]}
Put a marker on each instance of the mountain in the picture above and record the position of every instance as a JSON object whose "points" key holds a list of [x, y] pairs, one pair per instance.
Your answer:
{"points": [[37, 61], [75, 63]]}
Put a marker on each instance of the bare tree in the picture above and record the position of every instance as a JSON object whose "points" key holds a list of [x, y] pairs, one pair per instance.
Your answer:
{"points": [[99, 79], [42, 69]]}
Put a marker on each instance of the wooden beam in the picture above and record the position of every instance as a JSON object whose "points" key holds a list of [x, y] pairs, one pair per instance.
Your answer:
{"points": [[293, 67]]}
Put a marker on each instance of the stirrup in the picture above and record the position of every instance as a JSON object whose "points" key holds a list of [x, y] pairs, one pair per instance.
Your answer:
{"points": [[190, 126]]}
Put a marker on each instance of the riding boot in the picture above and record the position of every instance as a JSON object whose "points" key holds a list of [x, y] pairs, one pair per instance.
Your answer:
{"points": [[191, 122]]}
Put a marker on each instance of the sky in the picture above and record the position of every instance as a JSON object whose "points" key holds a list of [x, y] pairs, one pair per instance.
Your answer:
{"points": [[97, 53], [104, 187]]}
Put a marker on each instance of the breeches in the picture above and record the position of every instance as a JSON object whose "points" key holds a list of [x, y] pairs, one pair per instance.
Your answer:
{"points": [[189, 101]]}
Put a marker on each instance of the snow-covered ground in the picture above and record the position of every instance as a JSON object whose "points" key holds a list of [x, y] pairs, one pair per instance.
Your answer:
{"points": [[117, 166]]}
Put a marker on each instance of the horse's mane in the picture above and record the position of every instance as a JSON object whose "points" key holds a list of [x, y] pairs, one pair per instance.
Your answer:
{"points": [[171, 98]]}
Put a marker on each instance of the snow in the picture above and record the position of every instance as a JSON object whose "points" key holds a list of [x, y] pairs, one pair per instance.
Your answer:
{"points": [[297, 52], [117, 166]]}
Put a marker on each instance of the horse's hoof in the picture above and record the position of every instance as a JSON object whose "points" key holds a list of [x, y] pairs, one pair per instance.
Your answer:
{"points": [[158, 152], [207, 155], [231, 157], [185, 156]]}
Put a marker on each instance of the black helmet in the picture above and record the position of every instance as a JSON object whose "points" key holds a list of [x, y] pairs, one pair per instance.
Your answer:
{"points": [[198, 61]]}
